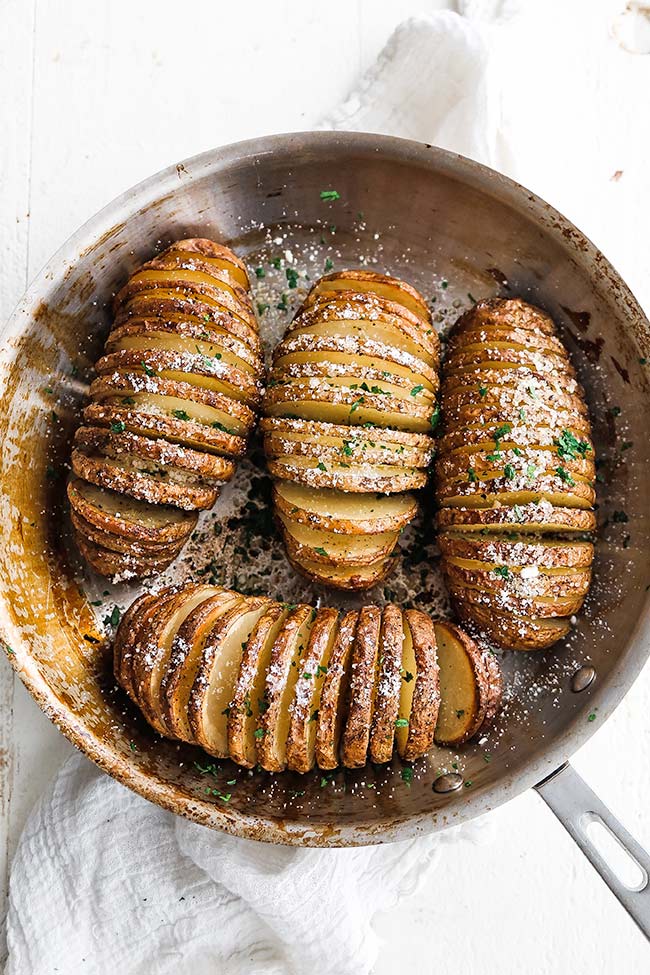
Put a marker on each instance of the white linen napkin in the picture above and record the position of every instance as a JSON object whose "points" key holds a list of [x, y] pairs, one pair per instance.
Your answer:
{"points": [[104, 881]]}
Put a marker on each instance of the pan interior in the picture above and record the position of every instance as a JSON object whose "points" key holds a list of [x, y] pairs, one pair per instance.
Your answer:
{"points": [[458, 233]]}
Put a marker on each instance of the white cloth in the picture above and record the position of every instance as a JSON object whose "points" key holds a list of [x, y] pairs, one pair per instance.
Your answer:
{"points": [[103, 881]]}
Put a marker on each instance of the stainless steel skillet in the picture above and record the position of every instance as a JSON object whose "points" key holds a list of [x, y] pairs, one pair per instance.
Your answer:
{"points": [[458, 231]]}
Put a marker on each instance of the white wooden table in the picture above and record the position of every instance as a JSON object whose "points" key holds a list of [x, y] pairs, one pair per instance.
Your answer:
{"points": [[96, 97]]}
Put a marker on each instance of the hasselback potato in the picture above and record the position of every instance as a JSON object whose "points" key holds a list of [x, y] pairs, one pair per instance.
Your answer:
{"points": [[290, 686], [514, 476], [176, 395], [348, 415]]}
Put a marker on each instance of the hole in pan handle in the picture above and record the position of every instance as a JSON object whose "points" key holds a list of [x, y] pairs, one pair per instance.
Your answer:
{"points": [[622, 862]]}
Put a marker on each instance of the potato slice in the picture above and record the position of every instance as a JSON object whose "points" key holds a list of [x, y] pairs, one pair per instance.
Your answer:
{"points": [[214, 684], [313, 545], [407, 690], [356, 436], [524, 434], [147, 422], [342, 404], [538, 517], [500, 373], [119, 475], [363, 688], [509, 396], [464, 686], [122, 565], [346, 577], [133, 622], [514, 632], [218, 293], [286, 662], [370, 478], [352, 319], [498, 337], [333, 450], [506, 313], [184, 401], [172, 458], [516, 499], [569, 489], [183, 335], [355, 374], [334, 511], [334, 695], [189, 367], [525, 581], [301, 739], [212, 253], [389, 682], [360, 351], [150, 664], [518, 551], [118, 543], [248, 697], [134, 520], [361, 281], [166, 304], [542, 607], [185, 656], [515, 459], [425, 703]]}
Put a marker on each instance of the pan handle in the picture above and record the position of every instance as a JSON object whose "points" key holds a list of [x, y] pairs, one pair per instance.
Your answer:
{"points": [[602, 839]]}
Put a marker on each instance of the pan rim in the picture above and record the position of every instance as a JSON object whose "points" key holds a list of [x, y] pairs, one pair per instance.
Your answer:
{"points": [[107, 221]]}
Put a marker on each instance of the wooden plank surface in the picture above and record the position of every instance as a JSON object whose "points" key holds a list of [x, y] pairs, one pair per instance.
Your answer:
{"points": [[99, 96]]}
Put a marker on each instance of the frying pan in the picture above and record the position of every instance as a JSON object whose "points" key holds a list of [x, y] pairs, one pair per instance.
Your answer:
{"points": [[458, 231]]}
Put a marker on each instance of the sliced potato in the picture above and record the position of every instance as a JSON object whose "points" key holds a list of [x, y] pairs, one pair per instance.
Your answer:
{"points": [[393, 289], [135, 520], [358, 316], [508, 313], [248, 697], [363, 681], [464, 687], [213, 253], [149, 667], [362, 351], [407, 690], [570, 489], [118, 543], [122, 565], [517, 551], [389, 682], [335, 403], [514, 632], [335, 511], [182, 399], [346, 577], [425, 704], [148, 421], [538, 517], [333, 450], [189, 367], [301, 739], [510, 601], [165, 304], [367, 479], [313, 545], [286, 661], [185, 656], [180, 334], [355, 375], [214, 684], [334, 694], [526, 581], [517, 460], [133, 622], [119, 476], [169, 457]]}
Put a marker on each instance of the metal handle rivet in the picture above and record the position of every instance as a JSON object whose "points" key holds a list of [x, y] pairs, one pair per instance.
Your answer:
{"points": [[448, 782], [582, 678]]}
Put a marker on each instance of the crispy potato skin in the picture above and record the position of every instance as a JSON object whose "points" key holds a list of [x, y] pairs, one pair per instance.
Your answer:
{"points": [[348, 410], [515, 476], [176, 395], [332, 700]]}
